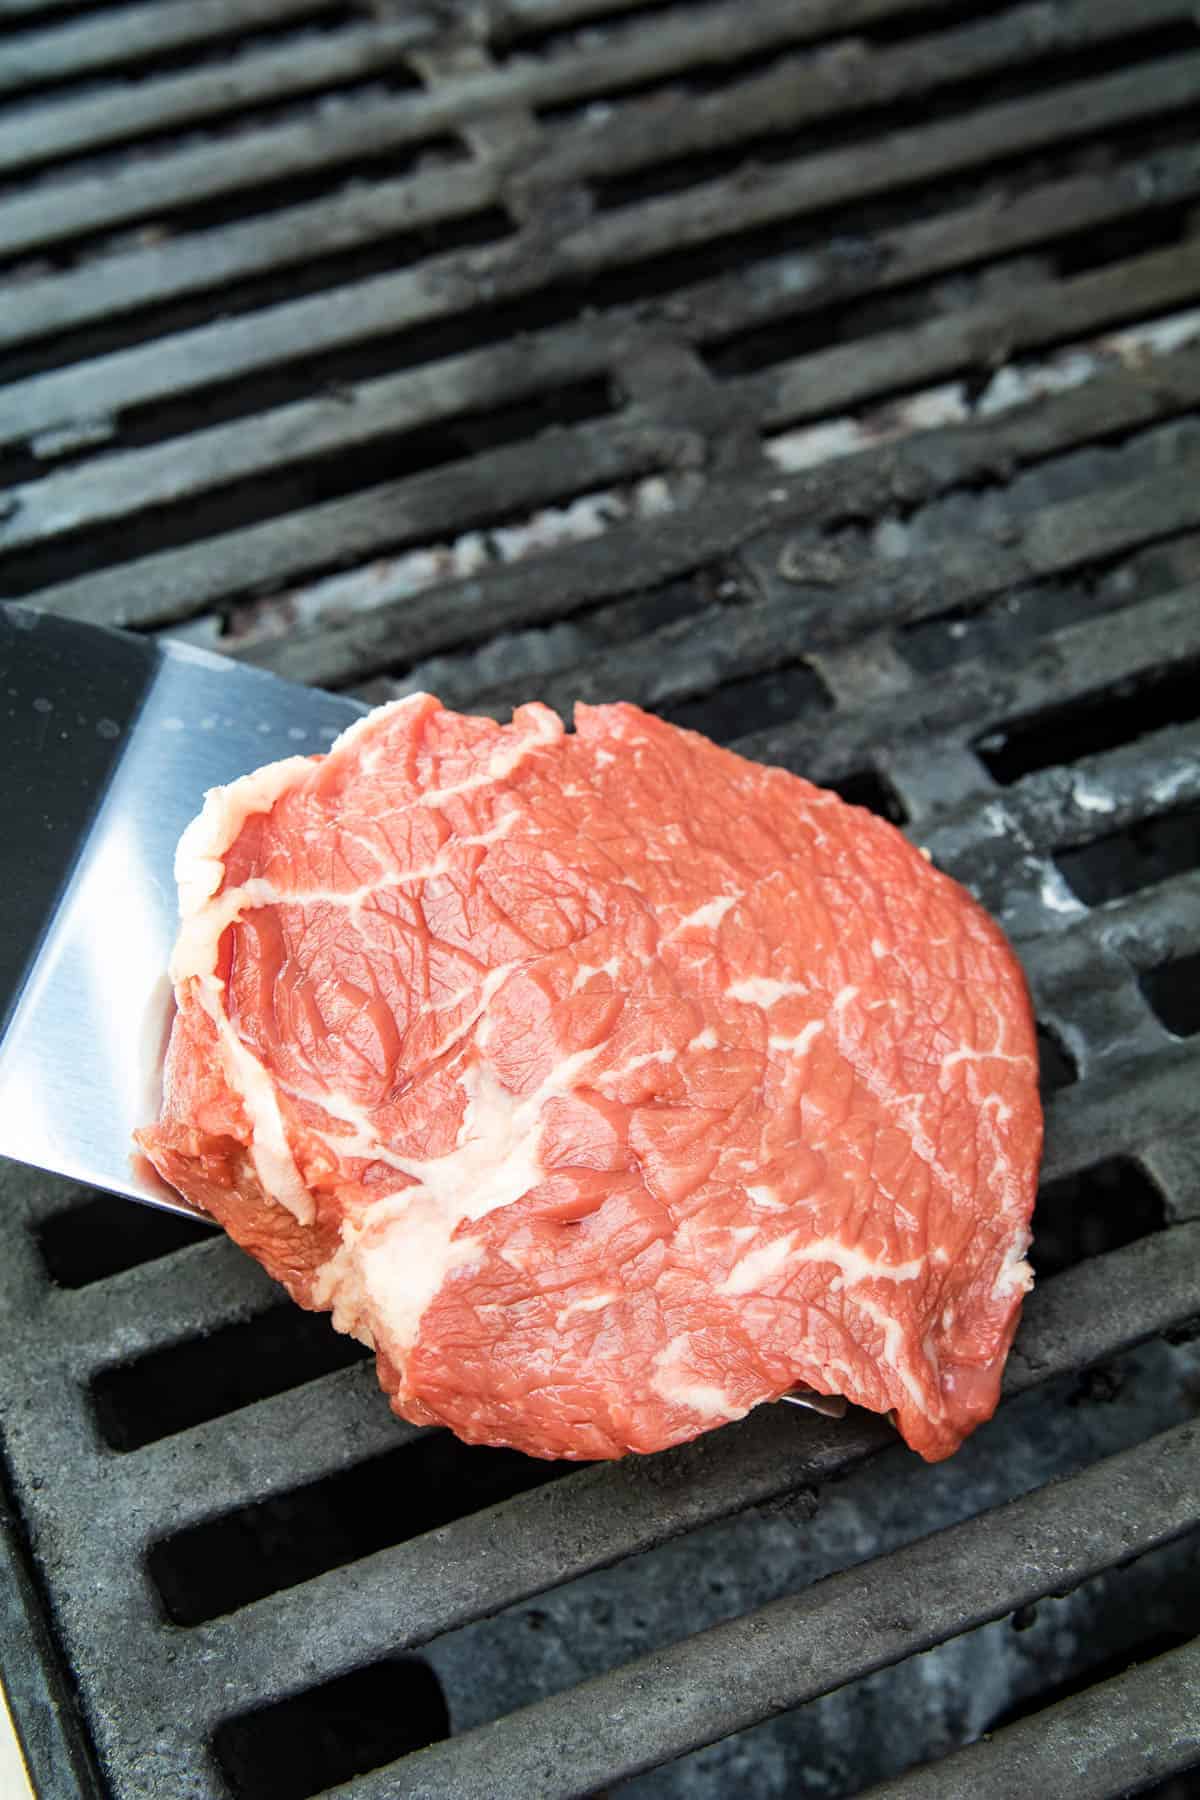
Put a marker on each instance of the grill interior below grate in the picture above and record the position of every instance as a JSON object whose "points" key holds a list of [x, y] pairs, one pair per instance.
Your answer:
{"points": [[825, 377]]}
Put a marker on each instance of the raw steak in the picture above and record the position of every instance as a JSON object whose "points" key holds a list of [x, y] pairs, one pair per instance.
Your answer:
{"points": [[606, 1083]]}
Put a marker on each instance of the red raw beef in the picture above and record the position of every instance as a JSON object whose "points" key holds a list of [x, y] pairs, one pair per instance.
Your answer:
{"points": [[605, 1083]]}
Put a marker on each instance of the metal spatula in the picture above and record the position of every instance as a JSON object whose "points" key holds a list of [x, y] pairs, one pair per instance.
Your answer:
{"points": [[108, 742]]}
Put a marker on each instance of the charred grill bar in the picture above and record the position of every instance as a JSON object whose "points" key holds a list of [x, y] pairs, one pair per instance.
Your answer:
{"points": [[826, 376]]}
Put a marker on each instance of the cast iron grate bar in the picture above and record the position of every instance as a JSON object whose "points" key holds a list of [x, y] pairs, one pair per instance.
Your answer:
{"points": [[19, 11], [67, 127], [213, 259], [163, 104], [1075, 664], [425, 1483], [1138, 1728], [171, 180], [168, 179], [306, 1434], [1141, 780], [561, 464], [735, 1674], [137, 1403], [63, 52], [117, 485], [635, 556], [402, 1596], [525, 263], [1080, 664], [157, 1305]]}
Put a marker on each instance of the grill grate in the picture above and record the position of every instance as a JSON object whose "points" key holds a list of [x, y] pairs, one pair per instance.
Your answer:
{"points": [[825, 376], [1139, 1729]]}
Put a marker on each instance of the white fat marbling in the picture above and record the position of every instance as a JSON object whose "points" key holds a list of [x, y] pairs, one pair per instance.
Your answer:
{"points": [[763, 990], [708, 916], [803, 1041], [1014, 1276], [389, 1269], [673, 1382], [546, 729], [751, 1273]]}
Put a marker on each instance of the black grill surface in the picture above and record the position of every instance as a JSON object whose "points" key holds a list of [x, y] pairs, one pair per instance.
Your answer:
{"points": [[824, 374]]}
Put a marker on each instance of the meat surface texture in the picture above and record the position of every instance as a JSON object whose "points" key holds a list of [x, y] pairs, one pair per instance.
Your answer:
{"points": [[605, 1083]]}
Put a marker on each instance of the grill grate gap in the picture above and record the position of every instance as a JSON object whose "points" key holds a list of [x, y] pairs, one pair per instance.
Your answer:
{"points": [[1175, 1787], [655, 278], [1057, 1068], [186, 1384], [552, 523], [1125, 862], [104, 1236], [752, 703], [917, 20], [331, 1733], [1099, 249], [214, 1568], [714, 584], [867, 788], [1173, 994], [1102, 722], [1102, 1208]]}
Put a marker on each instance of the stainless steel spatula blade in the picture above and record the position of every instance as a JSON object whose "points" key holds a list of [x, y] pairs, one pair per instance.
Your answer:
{"points": [[109, 743]]}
